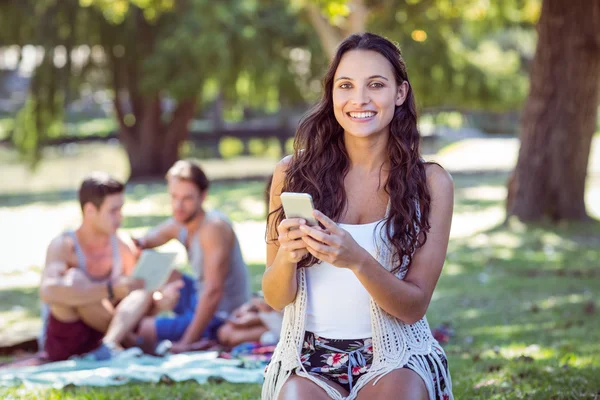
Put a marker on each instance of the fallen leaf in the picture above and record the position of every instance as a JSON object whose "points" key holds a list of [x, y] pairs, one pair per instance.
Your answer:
{"points": [[524, 358], [590, 307], [489, 382], [535, 308], [494, 367]]}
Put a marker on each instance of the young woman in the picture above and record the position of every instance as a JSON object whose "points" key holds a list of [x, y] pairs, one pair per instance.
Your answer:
{"points": [[355, 290]]}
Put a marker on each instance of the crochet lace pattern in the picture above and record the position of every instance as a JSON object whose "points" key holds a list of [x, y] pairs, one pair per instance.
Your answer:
{"points": [[395, 344]]}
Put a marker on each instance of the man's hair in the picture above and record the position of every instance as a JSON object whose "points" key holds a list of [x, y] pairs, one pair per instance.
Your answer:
{"points": [[189, 171], [96, 186]]}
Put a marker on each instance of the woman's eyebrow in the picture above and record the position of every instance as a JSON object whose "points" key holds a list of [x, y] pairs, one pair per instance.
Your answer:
{"points": [[371, 77], [378, 76]]}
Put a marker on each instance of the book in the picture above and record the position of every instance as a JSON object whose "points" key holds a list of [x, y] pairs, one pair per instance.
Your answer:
{"points": [[154, 268]]}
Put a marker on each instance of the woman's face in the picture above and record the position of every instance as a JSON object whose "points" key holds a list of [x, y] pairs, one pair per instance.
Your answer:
{"points": [[365, 93]]}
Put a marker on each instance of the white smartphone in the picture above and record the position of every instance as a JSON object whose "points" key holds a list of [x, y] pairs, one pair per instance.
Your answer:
{"points": [[299, 205]]}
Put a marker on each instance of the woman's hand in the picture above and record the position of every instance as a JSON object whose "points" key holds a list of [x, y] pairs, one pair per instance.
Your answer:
{"points": [[334, 246], [290, 239]]}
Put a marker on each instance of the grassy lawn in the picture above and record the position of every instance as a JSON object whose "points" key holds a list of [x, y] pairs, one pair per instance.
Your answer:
{"points": [[522, 301]]}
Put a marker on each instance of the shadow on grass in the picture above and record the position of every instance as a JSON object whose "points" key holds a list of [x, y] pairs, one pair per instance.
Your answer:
{"points": [[143, 221], [221, 193], [167, 390], [463, 180], [523, 303], [470, 205], [20, 299], [24, 199]]}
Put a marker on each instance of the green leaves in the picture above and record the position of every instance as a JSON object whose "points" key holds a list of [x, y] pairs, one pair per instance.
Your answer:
{"points": [[465, 53]]}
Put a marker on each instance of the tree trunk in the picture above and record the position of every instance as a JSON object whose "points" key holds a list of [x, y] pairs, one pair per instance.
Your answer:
{"points": [[559, 117], [331, 36], [152, 146]]}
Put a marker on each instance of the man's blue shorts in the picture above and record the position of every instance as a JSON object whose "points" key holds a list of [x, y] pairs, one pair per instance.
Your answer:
{"points": [[173, 328]]}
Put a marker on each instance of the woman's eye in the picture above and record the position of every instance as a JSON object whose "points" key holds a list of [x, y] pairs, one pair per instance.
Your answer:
{"points": [[377, 85], [345, 86]]}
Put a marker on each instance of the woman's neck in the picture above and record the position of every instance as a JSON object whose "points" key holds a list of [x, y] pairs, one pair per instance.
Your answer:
{"points": [[368, 153]]}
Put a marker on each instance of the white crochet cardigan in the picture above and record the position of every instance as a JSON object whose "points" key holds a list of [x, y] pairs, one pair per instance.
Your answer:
{"points": [[394, 343]]}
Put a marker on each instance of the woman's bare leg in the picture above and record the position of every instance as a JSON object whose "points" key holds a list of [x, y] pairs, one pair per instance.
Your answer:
{"points": [[298, 388], [400, 384]]}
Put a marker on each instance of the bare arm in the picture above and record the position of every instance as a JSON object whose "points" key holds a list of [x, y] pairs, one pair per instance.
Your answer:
{"points": [[409, 299], [159, 235], [406, 299], [128, 256], [217, 239], [279, 282], [58, 287]]}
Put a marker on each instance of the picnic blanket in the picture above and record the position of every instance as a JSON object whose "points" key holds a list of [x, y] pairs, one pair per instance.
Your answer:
{"points": [[133, 366]]}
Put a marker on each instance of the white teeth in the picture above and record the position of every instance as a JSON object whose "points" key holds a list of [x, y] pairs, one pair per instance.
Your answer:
{"points": [[367, 114]]}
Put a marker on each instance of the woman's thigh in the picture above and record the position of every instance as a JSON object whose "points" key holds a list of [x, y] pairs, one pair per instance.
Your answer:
{"points": [[400, 384], [299, 388]]}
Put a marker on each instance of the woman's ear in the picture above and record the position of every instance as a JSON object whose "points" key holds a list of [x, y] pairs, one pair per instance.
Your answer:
{"points": [[402, 93]]}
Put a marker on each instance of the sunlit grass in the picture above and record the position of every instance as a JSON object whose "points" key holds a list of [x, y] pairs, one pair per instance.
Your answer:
{"points": [[522, 300]]}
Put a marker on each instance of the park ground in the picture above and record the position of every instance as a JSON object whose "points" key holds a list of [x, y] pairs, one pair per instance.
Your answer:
{"points": [[522, 300]]}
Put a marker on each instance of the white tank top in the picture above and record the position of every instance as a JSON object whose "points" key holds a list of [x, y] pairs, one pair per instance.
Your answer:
{"points": [[338, 305]]}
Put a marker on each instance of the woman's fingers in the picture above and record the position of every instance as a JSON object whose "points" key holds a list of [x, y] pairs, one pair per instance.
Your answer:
{"points": [[288, 223], [320, 235], [327, 222], [316, 245], [318, 255], [292, 234], [293, 245]]}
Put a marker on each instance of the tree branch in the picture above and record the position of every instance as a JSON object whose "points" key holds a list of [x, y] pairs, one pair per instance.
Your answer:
{"points": [[329, 35], [126, 134], [357, 20]]}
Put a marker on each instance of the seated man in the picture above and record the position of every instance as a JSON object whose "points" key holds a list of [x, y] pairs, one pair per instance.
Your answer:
{"points": [[220, 282], [85, 276]]}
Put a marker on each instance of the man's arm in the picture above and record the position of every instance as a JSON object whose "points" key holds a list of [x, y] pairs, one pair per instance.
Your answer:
{"points": [[128, 255], [216, 240], [58, 287], [70, 287], [158, 235]]}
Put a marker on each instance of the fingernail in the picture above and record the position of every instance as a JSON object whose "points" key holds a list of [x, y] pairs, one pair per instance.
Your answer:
{"points": [[302, 221]]}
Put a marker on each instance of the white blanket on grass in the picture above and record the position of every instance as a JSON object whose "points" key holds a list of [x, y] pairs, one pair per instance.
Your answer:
{"points": [[131, 366]]}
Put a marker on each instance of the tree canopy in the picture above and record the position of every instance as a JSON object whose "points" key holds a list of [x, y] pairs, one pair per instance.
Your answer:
{"points": [[260, 54]]}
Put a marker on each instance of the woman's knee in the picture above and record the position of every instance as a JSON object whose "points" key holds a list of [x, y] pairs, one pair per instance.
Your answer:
{"points": [[298, 388], [401, 384]]}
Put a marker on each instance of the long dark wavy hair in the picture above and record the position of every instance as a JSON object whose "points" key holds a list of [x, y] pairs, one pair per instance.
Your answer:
{"points": [[320, 161]]}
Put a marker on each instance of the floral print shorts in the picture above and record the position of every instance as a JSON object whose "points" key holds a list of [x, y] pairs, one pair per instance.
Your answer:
{"points": [[344, 361]]}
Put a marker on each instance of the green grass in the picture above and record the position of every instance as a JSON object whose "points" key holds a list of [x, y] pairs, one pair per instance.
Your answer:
{"points": [[160, 391], [6, 125], [523, 304], [522, 300]]}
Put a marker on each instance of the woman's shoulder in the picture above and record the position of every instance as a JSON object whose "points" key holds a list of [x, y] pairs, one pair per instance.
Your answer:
{"points": [[438, 179], [284, 163], [281, 168]]}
